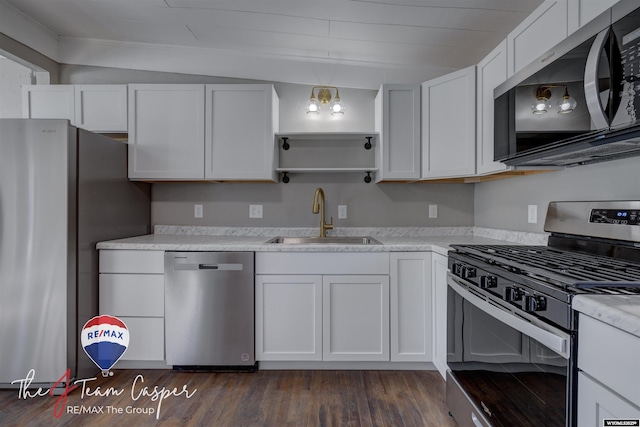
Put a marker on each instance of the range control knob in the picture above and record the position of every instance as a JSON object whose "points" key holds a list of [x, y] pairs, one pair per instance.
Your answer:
{"points": [[534, 303], [456, 269], [511, 294], [488, 282], [468, 272]]}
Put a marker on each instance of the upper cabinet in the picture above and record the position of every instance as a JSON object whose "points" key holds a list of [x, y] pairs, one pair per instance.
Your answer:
{"points": [[397, 120], [166, 132], [449, 125], [98, 108], [48, 102], [241, 121], [101, 108], [582, 11], [202, 132], [492, 71], [539, 32]]}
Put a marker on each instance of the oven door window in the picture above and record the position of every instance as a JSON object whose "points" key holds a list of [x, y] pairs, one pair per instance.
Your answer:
{"points": [[512, 378]]}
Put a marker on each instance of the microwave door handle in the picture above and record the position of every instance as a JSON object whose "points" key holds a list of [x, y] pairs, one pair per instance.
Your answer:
{"points": [[591, 83]]}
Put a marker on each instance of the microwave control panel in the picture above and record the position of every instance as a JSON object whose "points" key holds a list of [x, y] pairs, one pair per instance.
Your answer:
{"points": [[615, 216]]}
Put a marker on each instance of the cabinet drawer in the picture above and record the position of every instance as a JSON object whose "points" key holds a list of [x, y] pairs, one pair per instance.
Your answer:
{"points": [[610, 355], [132, 294], [146, 338], [322, 263], [131, 261]]}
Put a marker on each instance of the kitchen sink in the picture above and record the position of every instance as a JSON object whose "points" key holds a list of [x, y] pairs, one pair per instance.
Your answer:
{"points": [[333, 240]]}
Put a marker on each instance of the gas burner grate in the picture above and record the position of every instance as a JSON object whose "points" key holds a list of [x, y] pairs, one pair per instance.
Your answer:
{"points": [[557, 266]]}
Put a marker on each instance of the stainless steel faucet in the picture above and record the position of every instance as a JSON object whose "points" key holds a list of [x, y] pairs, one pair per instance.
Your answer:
{"points": [[316, 209]]}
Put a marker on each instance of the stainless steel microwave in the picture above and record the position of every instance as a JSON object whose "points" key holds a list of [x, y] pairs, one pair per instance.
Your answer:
{"points": [[580, 102]]}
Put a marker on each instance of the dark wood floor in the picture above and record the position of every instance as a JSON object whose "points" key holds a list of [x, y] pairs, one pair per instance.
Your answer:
{"points": [[263, 398]]}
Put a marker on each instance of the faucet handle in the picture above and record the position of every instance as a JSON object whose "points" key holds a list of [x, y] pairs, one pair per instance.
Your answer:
{"points": [[329, 225]]}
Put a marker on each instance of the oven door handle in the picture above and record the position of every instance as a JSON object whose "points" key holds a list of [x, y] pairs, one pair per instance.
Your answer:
{"points": [[553, 338]]}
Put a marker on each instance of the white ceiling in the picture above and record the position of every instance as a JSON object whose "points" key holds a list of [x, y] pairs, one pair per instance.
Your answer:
{"points": [[281, 40]]}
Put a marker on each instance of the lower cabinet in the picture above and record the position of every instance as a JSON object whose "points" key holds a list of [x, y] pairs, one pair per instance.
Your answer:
{"points": [[322, 306], [441, 311], [131, 287], [609, 373], [355, 318], [289, 317], [348, 307]]}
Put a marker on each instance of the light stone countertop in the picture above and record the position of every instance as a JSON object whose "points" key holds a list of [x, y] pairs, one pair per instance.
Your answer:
{"points": [[620, 311], [393, 239]]}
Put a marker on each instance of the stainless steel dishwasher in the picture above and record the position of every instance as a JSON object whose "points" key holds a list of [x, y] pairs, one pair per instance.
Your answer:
{"points": [[209, 310]]}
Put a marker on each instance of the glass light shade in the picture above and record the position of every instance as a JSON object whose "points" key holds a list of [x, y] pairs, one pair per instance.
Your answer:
{"points": [[541, 106], [566, 105], [337, 107], [313, 107]]}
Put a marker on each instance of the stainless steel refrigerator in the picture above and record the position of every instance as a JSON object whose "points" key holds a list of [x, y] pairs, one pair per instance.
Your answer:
{"points": [[62, 190]]}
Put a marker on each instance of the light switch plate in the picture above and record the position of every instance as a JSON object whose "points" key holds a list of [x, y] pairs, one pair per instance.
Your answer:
{"points": [[532, 214], [433, 211], [255, 211], [342, 211], [198, 211]]}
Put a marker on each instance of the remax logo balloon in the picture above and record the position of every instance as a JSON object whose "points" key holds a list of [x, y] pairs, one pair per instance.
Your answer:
{"points": [[105, 339]]}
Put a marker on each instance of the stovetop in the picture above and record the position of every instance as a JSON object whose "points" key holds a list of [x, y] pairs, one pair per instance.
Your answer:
{"points": [[571, 271]]}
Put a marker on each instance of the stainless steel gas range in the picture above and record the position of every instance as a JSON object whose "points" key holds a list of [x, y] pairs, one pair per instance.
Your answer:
{"points": [[512, 335]]}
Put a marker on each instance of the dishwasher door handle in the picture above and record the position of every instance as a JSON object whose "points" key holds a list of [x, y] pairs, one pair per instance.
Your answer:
{"points": [[221, 267]]}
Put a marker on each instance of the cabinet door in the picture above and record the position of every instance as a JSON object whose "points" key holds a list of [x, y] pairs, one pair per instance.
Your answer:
{"points": [[492, 71], [581, 12], [355, 318], [101, 108], [288, 317], [166, 132], [397, 120], [48, 102], [241, 121], [597, 403], [439, 284], [544, 28], [449, 125], [410, 306]]}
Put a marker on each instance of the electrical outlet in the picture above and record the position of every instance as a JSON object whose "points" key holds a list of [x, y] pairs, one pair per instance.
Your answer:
{"points": [[198, 211], [433, 211], [532, 214], [255, 211], [342, 211]]}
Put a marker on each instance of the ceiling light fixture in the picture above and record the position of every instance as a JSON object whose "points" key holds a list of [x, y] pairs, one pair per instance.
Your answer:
{"points": [[336, 107], [566, 105]]}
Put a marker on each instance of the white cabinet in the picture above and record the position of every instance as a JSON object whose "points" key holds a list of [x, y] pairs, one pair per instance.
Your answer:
{"points": [[131, 287], [492, 71], [581, 12], [609, 380], [313, 306], [537, 33], [101, 108], [166, 132], [397, 120], [355, 318], [289, 309], [241, 121], [411, 306], [48, 102], [449, 125], [440, 311], [98, 108]]}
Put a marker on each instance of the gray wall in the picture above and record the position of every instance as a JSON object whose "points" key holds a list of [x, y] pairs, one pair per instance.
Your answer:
{"points": [[503, 204], [289, 205], [227, 204]]}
